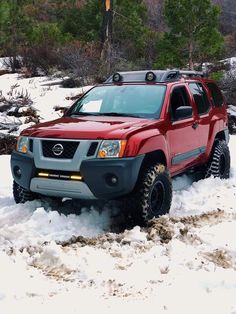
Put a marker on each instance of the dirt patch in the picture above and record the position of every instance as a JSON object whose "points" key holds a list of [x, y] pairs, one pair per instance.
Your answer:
{"points": [[96, 241], [3, 72], [209, 218], [7, 144], [219, 258], [161, 228], [232, 124]]}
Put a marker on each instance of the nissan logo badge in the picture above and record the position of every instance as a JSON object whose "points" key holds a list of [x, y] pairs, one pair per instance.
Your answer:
{"points": [[57, 149]]}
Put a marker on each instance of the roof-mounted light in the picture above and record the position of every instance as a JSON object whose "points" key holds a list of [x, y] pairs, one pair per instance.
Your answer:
{"points": [[150, 76], [116, 77]]}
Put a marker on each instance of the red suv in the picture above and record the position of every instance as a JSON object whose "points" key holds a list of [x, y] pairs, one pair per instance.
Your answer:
{"points": [[127, 138]]}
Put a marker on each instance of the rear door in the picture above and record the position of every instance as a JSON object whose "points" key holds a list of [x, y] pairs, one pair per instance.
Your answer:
{"points": [[203, 107]]}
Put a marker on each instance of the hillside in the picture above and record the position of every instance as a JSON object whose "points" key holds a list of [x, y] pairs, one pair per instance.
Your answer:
{"points": [[228, 15]]}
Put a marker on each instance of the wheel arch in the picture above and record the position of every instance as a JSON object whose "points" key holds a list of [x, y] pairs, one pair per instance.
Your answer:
{"points": [[221, 136], [157, 156]]}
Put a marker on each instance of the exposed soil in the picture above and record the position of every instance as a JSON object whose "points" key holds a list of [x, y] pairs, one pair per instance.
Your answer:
{"points": [[7, 144]]}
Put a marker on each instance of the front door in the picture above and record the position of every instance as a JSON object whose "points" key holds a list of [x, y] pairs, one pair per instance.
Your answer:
{"points": [[182, 135]]}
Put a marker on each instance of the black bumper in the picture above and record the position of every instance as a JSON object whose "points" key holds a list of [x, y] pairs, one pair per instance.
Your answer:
{"points": [[98, 174], [25, 164]]}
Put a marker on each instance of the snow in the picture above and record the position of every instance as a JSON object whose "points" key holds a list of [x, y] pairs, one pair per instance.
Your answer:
{"points": [[232, 110], [192, 273], [52, 262], [2, 65], [42, 91]]}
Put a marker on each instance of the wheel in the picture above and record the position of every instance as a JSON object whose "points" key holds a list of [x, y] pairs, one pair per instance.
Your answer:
{"points": [[219, 163], [153, 193], [22, 195]]}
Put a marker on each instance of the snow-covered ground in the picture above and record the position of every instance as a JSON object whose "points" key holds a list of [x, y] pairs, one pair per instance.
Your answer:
{"points": [[50, 262], [183, 263], [42, 91], [44, 95]]}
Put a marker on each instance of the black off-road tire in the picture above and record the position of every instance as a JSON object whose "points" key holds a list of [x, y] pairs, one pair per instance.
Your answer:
{"points": [[153, 193], [22, 195], [219, 163]]}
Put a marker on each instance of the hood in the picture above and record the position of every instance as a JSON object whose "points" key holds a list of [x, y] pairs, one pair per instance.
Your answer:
{"points": [[90, 127]]}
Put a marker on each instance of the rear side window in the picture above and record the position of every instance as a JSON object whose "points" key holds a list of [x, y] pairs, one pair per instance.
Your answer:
{"points": [[200, 98], [218, 99]]}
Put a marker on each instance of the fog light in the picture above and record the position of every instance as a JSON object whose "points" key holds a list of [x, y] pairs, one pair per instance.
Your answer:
{"points": [[114, 180], [17, 171], [111, 179]]}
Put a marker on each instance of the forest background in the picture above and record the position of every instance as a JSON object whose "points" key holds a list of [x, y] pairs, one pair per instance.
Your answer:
{"points": [[89, 39]]}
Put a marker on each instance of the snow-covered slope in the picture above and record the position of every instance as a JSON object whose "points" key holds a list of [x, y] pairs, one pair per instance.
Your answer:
{"points": [[44, 93]]}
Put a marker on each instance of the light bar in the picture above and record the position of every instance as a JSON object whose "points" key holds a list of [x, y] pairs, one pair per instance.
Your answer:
{"points": [[43, 174], [79, 178], [116, 77], [150, 76], [60, 176]]}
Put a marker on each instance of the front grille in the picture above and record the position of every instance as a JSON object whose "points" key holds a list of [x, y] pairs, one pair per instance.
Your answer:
{"points": [[31, 145], [69, 149], [92, 149]]}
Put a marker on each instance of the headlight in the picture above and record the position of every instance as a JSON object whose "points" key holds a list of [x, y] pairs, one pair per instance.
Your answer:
{"points": [[22, 144], [112, 148]]}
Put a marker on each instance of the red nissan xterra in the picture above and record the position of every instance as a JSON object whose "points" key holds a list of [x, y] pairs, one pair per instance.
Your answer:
{"points": [[127, 138]]}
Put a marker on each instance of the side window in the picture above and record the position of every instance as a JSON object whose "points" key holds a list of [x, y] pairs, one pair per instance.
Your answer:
{"points": [[200, 98], [180, 106], [218, 99]]}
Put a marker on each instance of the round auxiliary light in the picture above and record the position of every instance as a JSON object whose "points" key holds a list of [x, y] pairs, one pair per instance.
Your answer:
{"points": [[17, 171], [150, 76], [111, 179], [116, 77]]}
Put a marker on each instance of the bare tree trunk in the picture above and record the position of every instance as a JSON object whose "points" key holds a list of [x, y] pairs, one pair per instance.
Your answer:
{"points": [[106, 36], [190, 56]]}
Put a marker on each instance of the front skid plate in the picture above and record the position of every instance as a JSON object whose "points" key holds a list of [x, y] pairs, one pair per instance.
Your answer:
{"points": [[61, 188]]}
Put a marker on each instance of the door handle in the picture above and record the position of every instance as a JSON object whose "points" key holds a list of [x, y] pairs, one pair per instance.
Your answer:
{"points": [[194, 125]]}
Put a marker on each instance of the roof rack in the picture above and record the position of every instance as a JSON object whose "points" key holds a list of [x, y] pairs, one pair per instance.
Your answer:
{"points": [[159, 76], [170, 75], [193, 73]]}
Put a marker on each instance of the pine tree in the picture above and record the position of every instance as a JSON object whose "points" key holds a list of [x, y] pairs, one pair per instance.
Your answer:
{"points": [[192, 36], [13, 29]]}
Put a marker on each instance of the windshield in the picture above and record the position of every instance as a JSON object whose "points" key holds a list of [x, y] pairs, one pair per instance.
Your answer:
{"points": [[125, 100]]}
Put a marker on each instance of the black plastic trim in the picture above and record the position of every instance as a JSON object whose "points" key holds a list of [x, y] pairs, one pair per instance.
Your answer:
{"points": [[26, 164], [188, 155], [96, 171]]}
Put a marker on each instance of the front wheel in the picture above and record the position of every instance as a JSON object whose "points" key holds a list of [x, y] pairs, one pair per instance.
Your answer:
{"points": [[22, 195], [153, 192], [219, 163]]}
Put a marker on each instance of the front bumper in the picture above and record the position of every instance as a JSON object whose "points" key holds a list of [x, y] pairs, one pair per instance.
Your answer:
{"points": [[25, 164], [102, 178], [98, 173]]}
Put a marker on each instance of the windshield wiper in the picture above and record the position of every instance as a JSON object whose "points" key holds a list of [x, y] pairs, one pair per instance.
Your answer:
{"points": [[81, 113], [111, 114], [117, 114]]}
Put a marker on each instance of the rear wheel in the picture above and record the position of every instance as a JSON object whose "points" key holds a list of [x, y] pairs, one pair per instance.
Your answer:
{"points": [[219, 163], [153, 193], [22, 195]]}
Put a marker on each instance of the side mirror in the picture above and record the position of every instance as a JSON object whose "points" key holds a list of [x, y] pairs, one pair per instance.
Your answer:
{"points": [[182, 113]]}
